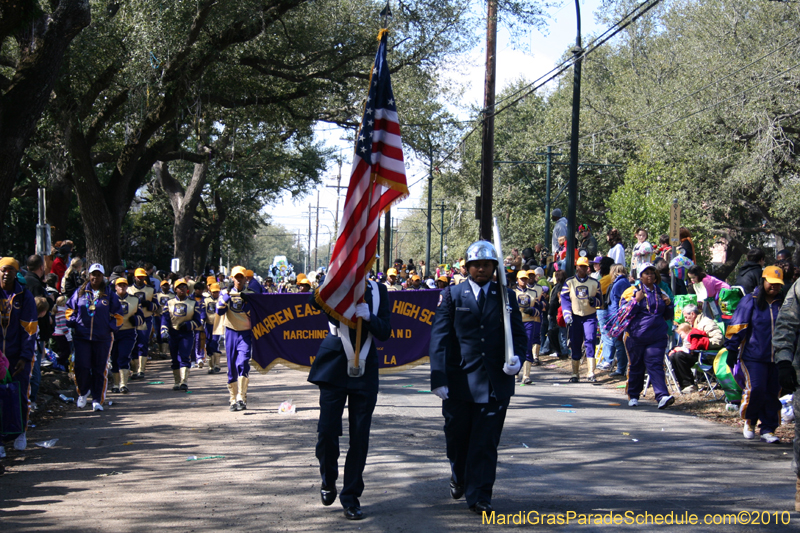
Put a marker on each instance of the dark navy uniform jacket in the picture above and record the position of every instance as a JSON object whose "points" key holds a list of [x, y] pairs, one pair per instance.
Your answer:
{"points": [[467, 347], [330, 365]]}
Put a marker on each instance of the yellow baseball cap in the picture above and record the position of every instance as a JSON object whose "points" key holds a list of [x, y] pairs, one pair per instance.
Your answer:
{"points": [[140, 272], [9, 261], [415, 277], [213, 287], [210, 280], [165, 282], [523, 274], [121, 281], [582, 261], [235, 271], [773, 274], [248, 273], [443, 278], [181, 281], [391, 272]]}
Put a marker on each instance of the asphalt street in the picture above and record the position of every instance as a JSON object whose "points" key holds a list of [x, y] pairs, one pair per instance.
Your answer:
{"points": [[566, 449]]}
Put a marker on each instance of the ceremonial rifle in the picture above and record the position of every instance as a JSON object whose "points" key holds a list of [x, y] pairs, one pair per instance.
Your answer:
{"points": [[501, 279]]}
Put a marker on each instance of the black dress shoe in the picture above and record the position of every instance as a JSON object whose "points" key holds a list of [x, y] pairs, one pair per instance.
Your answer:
{"points": [[481, 507], [328, 496], [456, 489], [353, 513]]}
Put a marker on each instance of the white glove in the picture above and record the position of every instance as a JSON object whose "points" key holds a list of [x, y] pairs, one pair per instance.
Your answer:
{"points": [[164, 331], [568, 319], [513, 368], [362, 311], [441, 392]]}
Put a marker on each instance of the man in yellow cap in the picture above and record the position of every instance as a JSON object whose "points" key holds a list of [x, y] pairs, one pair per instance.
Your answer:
{"points": [[125, 338], [580, 298], [528, 301], [442, 282], [147, 299], [212, 339], [415, 283], [234, 311], [303, 284], [19, 321], [391, 280], [163, 298], [179, 320], [252, 282]]}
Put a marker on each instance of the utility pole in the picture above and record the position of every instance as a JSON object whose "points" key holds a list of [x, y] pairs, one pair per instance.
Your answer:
{"points": [[548, 182], [487, 144], [387, 239], [441, 235], [308, 252], [316, 234], [573, 150], [338, 186], [430, 205]]}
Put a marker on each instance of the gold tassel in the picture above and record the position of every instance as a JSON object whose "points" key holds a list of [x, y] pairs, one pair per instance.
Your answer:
{"points": [[382, 32]]}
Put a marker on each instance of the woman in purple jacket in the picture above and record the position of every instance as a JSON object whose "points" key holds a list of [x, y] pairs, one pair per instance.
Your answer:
{"points": [[647, 336], [749, 339], [94, 314]]}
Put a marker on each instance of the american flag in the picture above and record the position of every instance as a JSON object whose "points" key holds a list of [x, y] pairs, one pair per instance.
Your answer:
{"points": [[377, 181]]}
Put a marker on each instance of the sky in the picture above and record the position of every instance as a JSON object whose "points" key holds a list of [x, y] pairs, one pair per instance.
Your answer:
{"points": [[527, 60]]}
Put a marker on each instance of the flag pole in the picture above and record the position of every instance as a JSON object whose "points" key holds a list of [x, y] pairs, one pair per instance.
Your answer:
{"points": [[386, 14]]}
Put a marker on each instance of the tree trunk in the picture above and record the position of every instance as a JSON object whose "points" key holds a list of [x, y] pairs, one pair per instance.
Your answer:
{"points": [[736, 249], [42, 43], [59, 200]]}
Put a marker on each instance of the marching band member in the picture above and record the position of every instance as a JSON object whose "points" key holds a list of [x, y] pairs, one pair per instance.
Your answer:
{"points": [[469, 372], [580, 298], [234, 312], [125, 340], [530, 306], [199, 296], [19, 321], [212, 339], [163, 298], [253, 283], [180, 318], [94, 316], [147, 298]]}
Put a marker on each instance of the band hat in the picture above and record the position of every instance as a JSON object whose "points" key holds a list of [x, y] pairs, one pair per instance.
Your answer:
{"points": [[391, 272], [165, 282], [582, 261], [180, 282], [213, 287], [97, 267], [210, 280], [415, 277], [235, 271], [248, 273], [140, 272], [9, 261], [773, 274], [523, 274], [443, 279], [121, 281]]}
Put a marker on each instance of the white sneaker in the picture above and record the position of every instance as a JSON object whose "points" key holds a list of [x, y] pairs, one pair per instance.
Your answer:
{"points": [[769, 438], [21, 442], [665, 402], [34, 407], [97, 406], [690, 389], [2, 452], [748, 431], [81, 402], [633, 402]]}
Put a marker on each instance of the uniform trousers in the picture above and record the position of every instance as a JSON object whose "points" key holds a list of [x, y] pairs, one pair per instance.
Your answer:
{"points": [[582, 333], [237, 349], [760, 393], [143, 338], [91, 367], [360, 405], [212, 341], [200, 344], [181, 348], [125, 341], [646, 355], [533, 333], [472, 434], [24, 379]]}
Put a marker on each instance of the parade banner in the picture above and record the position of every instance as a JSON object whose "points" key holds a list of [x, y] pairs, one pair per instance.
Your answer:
{"points": [[288, 329]]}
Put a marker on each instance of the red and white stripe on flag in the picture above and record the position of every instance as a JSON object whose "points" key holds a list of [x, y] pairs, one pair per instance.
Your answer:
{"points": [[377, 181]]}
